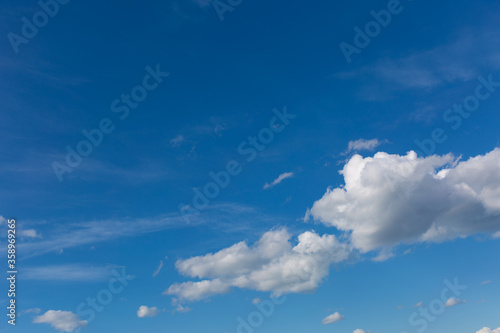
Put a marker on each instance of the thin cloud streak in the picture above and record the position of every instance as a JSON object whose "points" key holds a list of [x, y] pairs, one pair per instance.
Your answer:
{"points": [[69, 235], [278, 180], [71, 272]]}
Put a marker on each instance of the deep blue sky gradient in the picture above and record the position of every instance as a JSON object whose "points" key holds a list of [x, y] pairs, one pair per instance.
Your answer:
{"points": [[225, 79]]}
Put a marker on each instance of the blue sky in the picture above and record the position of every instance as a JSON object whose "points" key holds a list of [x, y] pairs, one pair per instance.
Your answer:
{"points": [[321, 209]]}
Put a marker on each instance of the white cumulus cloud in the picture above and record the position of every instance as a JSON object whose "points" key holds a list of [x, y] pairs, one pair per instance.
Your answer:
{"points": [[64, 321], [271, 264], [358, 330], [145, 311], [488, 330], [392, 199], [333, 318]]}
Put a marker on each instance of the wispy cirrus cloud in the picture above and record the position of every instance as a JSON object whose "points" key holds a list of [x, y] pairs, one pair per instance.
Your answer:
{"points": [[68, 235], [278, 180], [68, 272], [177, 141], [362, 144], [228, 217], [462, 60], [32, 310], [30, 233], [203, 3], [157, 271]]}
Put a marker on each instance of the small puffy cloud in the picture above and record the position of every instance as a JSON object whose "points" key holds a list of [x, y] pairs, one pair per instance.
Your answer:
{"points": [[488, 330], [391, 199], [2, 220], [278, 180], [182, 309], [333, 318], [256, 301], [486, 282], [271, 264], [362, 144], [419, 304], [30, 233], [177, 141], [155, 273], [358, 330], [144, 311], [63, 321], [452, 301]]}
